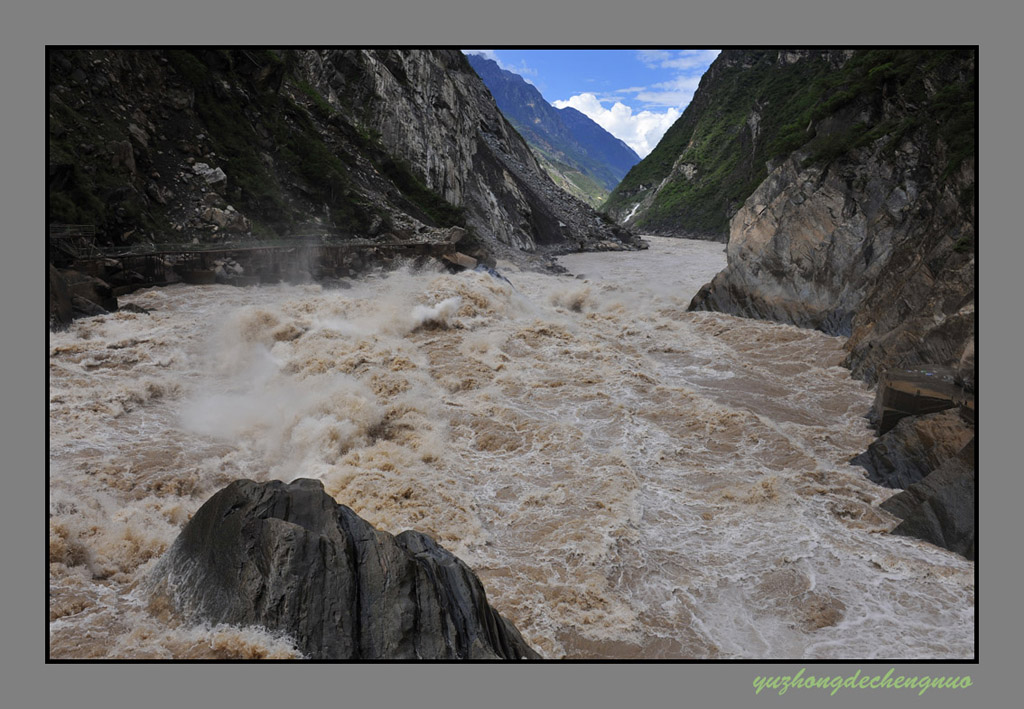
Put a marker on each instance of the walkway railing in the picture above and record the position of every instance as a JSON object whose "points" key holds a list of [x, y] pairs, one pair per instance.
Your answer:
{"points": [[76, 240], [79, 241]]}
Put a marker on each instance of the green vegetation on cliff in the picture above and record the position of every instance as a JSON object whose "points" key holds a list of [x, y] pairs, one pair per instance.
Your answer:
{"points": [[577, 183], [755, 107]]}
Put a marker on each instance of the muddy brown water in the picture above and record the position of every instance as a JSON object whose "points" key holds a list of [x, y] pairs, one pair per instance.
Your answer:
{"points": [[628, 479]]}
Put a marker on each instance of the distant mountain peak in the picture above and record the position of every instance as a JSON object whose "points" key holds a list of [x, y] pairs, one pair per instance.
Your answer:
{"points": [[580, 155]]}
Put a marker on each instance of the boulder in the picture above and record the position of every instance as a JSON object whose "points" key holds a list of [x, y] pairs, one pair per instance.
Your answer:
{"points": [[917, 391], [178, 99], [212, 199], [914, 448], [287, 557], [157, 194], [461, 260], [59, 299], [83, 308], [940, 508], [226, 219], [139, 135], [122, 156], [213, 176], [90, 288]]}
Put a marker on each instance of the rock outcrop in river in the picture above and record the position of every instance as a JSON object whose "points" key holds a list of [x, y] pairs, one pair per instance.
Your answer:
{"points": [[914, 448], [940, 507], [287, 557]]}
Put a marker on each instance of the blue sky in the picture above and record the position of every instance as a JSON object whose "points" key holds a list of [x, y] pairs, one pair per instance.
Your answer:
{"points": [[633, 94]]}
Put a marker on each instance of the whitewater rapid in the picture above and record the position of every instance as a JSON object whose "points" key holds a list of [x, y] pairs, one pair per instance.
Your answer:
{"points": [[628, 479]]}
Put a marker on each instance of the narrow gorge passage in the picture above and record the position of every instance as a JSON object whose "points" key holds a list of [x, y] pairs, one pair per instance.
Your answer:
{"points": [[628, 479]]}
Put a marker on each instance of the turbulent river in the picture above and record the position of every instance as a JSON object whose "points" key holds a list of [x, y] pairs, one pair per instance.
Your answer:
{"points": [[629, 480]]}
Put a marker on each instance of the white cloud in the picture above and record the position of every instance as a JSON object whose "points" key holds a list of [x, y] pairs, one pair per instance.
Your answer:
{"points": [[691, 59], [523, 69], [653, 57], [683, 60], [678, 92], [640, 131]]}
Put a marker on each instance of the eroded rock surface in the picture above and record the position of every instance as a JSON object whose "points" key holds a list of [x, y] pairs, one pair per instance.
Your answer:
{"points": [[857, 250], [287, 557], [914, 448], [940, 508]]}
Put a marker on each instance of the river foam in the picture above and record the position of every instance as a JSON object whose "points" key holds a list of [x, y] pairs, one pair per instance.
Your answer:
{"points": [[628, 479]]}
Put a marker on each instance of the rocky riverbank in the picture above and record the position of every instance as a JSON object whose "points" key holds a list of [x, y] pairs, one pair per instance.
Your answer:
{"points": [[868, 231]]}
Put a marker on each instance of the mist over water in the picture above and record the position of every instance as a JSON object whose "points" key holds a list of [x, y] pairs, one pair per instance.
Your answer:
{"points": [[627, 479]]}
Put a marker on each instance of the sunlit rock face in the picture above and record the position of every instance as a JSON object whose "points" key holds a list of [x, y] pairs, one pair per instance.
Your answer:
{"points": [[431, 110], [868, 229]]}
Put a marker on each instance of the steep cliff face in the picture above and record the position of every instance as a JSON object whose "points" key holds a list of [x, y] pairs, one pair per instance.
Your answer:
{"points": [[753, 108], [867, 230], [175, 145], [713, 157], [433, 111]]}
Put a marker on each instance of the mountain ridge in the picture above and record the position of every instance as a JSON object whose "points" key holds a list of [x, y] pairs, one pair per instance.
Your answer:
{"points": [[566, 140]]}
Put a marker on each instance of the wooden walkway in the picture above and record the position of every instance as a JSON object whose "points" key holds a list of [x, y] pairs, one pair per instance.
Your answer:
{"points": [[79, 241], [916, 391], [262, 260]]}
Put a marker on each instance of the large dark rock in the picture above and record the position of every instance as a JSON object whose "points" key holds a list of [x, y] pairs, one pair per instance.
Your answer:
{"points": [[287, 557], [91, 289], [59, 299], [914, 448], [940, 508]]}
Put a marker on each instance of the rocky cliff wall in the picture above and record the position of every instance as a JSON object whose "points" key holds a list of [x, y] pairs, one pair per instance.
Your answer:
{"points": [[862, 250], [754, 108], [211, 144], [867, 230], [433, 111], [741, 117]]}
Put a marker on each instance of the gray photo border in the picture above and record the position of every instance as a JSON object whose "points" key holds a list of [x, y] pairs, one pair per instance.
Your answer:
{"points": [[28, 681]]}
